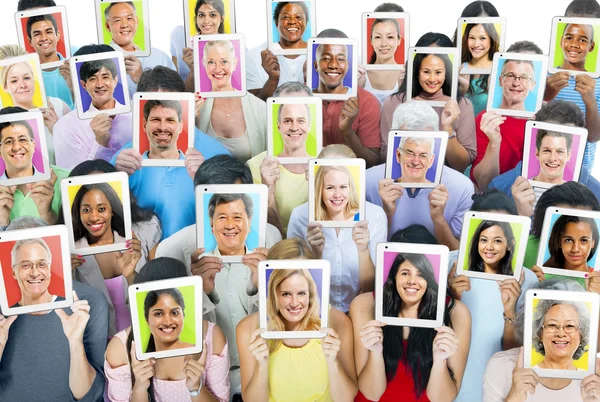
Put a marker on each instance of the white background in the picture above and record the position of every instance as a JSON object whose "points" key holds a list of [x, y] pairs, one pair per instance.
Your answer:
{"points": [[527, 20]]}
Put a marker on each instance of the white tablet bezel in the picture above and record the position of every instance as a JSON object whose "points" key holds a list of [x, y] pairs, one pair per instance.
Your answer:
{"points": [[316, 121], [41, 129], [126, 108], [495, 74], [525, 223], [145, 15], [578, 131], [37, 72], [20, 15], [479, 20], [365, 39], [353, 92], [449, 51], [313, 32], [391, 155], [410, 248], [137, 125], [188, 17], [324, 266], [196, 282], [360, 163], [546, 230], [262, 209], [34, 233], [584, 297], [92, 179], [552, 54], [241, 65]]}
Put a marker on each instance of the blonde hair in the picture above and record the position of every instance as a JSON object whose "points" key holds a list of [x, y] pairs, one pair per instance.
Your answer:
{"points": [[311, 320], [6, 52], [320, 209], [337, 151]]}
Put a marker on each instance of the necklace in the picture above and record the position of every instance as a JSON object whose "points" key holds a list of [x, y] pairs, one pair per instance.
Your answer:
{"points": [[219, 107]]}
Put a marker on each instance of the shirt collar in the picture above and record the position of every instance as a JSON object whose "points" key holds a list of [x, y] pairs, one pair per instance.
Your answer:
{"points": [[5, 177]]}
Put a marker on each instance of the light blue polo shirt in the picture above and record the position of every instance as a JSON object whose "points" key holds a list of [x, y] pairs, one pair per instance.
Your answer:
{"points": [[56, 86], [169, 191]]}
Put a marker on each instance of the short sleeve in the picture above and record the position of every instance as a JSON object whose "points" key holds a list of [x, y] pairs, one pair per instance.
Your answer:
{"points": [[497, 379], [482, 143], [368, 119], [465, 128], [254, 165], [119, 382], [295, 227], [149, 234], [464, 204], [217, 374], [256, 76]]}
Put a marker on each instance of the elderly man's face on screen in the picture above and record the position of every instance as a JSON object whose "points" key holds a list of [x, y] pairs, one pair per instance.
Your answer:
{"points": [[516, 80], [230, 226], [122, 22], [415, 157], [31, 269]]}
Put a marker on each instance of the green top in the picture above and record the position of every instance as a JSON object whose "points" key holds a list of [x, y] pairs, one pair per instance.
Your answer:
{"points": [[478, 97], [25, 206]]}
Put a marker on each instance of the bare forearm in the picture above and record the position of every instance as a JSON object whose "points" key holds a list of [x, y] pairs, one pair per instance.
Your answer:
{"points": [[189, 82], [457, 155], [441, 387], [258, 387], [268, 89], [273, 215], [592, 122], [508, 337], [444, 234], [205, 396], [489, 167], [366, 271], [351, 139], [372, 381], [140, 396], [49, 217], [81, 373], [341, 387]]}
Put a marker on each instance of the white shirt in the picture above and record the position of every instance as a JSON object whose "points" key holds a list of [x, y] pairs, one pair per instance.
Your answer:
{"points": [[256, 76], [341, 251]]}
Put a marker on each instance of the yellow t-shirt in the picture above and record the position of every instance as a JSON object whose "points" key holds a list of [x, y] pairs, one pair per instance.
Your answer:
{"points": [[291, 190], [299, 374]]}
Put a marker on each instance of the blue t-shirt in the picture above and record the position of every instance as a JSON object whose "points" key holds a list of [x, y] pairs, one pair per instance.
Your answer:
{"points": [[487, 327], [56, 86], [505, 181], [169, 191], [570, 94]]}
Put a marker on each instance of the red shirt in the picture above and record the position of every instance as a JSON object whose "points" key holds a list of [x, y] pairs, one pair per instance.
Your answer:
{"points": [[366, 124], [511, 147], [401, 388]]}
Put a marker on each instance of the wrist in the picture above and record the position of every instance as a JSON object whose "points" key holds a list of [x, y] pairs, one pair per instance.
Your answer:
{"points": [[438, 218], [509, 316], [76, 346]]}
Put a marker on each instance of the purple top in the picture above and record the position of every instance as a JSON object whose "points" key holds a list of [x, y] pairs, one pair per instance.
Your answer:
{"points": [[117, 297]]}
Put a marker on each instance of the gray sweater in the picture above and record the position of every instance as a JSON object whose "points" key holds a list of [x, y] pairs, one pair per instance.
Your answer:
{"points": [[35, 362]]}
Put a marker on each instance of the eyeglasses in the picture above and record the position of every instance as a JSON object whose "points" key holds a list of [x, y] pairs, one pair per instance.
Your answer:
{"points": [[9, 142], [520, 78], [568, 328], [412, 155], [27, 265]]}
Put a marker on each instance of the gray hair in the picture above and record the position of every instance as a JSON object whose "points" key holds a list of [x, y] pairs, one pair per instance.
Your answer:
{"points": [[218, 199], [213, 43], [417, 140], [24, 242], [543, 307], [26, 222], [292, 86], [285, 104], [415, 116], [107, 10]]}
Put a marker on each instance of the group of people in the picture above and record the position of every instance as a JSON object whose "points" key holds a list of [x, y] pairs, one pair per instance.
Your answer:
{"points": [[87, 352]]}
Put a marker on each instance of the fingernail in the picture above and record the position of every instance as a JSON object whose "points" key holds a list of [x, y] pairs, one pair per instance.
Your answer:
{"points": [[80, 256], [586, 275], [83, 260]]}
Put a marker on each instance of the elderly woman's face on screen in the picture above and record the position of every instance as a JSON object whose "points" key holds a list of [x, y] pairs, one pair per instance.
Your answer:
{"points": [[410, 284], [336, 190], [577, 242], [492, 245], [32, 269], [165, 319], [220, 64], [95, 212], [20, 83], [293, 298], [560, 332]]}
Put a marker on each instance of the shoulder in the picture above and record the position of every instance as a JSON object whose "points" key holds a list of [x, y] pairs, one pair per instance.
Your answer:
{"points": [[116, 351], [505, 181], [454, 180], [218, 340], [367, 98], [363, 303], [69, 122], [255, 161], [339, 321], [460, 314], [374, 174], [60, 173], [375, 215], [390, 104], [94, 297], [504, 361], [254, 101], [247, 325]]}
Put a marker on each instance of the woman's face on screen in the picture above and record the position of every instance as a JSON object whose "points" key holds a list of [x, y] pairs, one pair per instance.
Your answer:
{"points": [[165, 319]]}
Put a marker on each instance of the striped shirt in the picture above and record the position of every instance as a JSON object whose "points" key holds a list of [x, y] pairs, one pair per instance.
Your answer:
{"points": [[570, 94]]}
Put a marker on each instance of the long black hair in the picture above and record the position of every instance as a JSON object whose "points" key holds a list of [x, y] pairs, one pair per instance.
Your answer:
{"points": [[217, 5], [117, 222], [557, 258], [418, 356], [430, 39], [151, 300], [155, 270], [476, 262], [373, 58], [491, 32]]}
